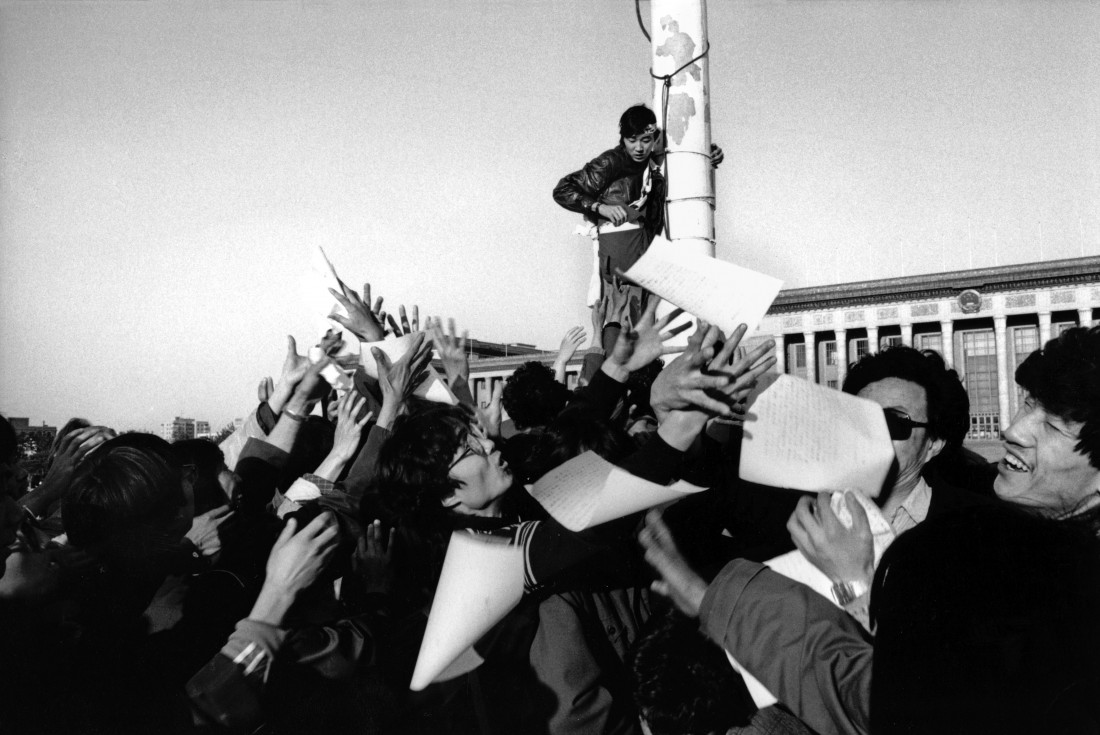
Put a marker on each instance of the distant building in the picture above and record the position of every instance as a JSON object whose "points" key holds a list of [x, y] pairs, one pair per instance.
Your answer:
{"points": [[492, 363], [45, 434], [182, 428], [983, 321]]}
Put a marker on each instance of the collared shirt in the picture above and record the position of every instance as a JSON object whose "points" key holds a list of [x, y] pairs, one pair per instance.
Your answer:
{"points": [[914, 510]]}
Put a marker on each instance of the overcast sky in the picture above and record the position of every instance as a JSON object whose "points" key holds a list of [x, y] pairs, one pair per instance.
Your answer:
{"points": [[167, 168]]}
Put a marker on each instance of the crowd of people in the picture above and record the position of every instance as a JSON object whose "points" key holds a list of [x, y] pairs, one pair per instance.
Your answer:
{"points": [[282, 581]]}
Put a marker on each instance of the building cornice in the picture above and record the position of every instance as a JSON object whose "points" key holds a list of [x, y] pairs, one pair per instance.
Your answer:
{"points": [[1071, 271]]}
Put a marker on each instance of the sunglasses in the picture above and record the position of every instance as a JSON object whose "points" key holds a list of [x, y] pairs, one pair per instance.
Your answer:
{"points": [[474, 448], [900, 424]]}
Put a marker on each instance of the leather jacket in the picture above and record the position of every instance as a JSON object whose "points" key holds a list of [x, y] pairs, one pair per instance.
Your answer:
{"points": [[612, 178]]}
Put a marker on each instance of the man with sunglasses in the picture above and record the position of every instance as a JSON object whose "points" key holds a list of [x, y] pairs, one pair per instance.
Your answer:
{"points": [[927, 413]]}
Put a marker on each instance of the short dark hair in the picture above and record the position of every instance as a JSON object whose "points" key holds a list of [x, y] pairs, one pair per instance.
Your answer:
{"points": [[124, 498], [948, 403], [1064, 377], [575, 431], [683, 684], [209, 460], [532, 397], [635, 120], [413, 477]]}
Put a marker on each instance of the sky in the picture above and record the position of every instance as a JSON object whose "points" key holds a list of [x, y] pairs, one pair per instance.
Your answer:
{"points": [[168, 168]]}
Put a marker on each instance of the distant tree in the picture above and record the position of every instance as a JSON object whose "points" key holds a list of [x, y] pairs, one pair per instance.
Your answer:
{"points": [[34, 447], [224, 433]]}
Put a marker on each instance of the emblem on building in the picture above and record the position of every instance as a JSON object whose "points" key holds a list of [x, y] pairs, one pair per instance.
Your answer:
{"points": [[970, 301]]}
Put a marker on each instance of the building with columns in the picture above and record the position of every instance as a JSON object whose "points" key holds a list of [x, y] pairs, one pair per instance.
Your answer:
{"points": [[983, 321]]}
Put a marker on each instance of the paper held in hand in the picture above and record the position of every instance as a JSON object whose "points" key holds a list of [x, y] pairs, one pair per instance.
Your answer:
{"points": [[481, 581], [588, 490], [433, 388], [808, 437], [797, 567], [721, 293]]}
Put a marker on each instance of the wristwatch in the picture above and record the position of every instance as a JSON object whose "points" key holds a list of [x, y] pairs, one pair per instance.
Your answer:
{"points": [[845, 592]]}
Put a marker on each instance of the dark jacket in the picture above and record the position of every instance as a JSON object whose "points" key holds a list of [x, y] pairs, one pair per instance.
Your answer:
{"points": [[613, 178]]}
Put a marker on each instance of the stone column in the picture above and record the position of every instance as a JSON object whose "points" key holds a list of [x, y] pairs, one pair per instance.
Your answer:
{"points": [[947, 337], [907, 335], [1084, 316], [841, 356], [1044, 327], [780, 354], [811, 356], [872, 339], [1004, 382]]}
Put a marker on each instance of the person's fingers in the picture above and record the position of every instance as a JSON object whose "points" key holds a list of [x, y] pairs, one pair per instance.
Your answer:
{"points": [[391, 542], [705, 402], [393, 324], [218, 512], [287, 533], [678, 329], [661, 588], [366, 296], [380, 359], [341, 298], [403, 316], [415, 318], [668, 319], [860, 522], [327, 534]]}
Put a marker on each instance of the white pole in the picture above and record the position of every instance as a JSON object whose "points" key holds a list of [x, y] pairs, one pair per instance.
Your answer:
{"points": [[678, 30]]}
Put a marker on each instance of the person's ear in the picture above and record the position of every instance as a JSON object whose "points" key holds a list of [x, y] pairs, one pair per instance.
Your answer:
{"points": [[451, 501], [935, 446]]}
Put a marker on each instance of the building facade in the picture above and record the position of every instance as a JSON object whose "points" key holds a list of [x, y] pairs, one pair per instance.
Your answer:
{"points": [[181, 428], [984, 322]]}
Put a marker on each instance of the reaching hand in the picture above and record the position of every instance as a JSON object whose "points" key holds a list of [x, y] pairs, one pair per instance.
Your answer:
{"points": [[349, 424], [491, 416], [398, 379], [361, 320], [645, 342], [406, 326], [617, 298], [373, 560], [679, 582], [743, 366], [842, 554], [297, 559], [683, 384], [265, 389], [570, 343], [599, 310], [295, 365], [451, 349], [204, 530]]}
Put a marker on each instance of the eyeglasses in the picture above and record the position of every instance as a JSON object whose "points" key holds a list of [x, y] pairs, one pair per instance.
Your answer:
{"points": [[900, 424], [474, 448]]}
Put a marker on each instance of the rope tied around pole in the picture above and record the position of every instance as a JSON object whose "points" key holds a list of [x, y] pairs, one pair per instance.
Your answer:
{"points": [[666, 85]]}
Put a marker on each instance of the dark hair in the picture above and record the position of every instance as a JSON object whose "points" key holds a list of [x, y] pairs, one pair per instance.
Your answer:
{"points": [[124, 499], [414, 463], [1065, 378], [635, 120], [948, 403], [74, 424], [532, 397], [575, 431], [209, 461], [683, 684]]}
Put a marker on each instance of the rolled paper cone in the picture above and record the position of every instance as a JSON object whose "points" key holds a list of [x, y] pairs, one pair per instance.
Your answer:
{"points": [[481, 581]]}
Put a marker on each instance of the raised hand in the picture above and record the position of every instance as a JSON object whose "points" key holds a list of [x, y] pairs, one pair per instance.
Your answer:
{"points": [[404, 325], [350, 420], [373, 560], [679, 582], [491, 417], [398, 379], [743, 366], [204, 530], [295, 562], [451, 349], [716, 156], [570, 343], [684, 383], [265, 389], [361, 320]]}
